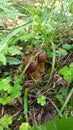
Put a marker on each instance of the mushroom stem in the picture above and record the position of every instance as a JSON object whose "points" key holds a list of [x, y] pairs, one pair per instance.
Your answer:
{"points": [[35, 75], [42, 67]]}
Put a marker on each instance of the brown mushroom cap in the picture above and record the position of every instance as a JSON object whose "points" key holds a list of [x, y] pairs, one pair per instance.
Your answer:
{"points": [[42, 57], [34, 52], [33, 65]]}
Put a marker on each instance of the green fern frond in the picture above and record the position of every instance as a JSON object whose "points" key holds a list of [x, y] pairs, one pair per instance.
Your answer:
{"points": [[7, 10]]}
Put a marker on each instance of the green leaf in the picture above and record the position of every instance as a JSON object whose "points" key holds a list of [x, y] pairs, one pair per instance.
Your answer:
{"points": [[7, 10], [59, 97], [62, 52], [50, 54], [65, 123], [41, 100], [15, 91], [56, 124], [67, 46], [5, 99], [63, 91], [18, 79], [24, 126], [5, 121], [67, 76], [67, 72], [4, 84], [64, 70], [71, 69], [1, 127], [13, 61], [71, 65], [13, 50], [5, 41], [2, 59]]}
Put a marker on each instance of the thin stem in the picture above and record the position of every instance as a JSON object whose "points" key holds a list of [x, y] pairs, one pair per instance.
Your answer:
{"points": [[53, 61], [59, 112], [67, 100], [26, 104]]}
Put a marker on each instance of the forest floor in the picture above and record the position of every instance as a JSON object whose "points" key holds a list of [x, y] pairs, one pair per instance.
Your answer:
{"points": [[38, 114]]}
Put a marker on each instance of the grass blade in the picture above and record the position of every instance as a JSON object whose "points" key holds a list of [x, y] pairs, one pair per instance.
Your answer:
{"points": [[26, 104], [4, 42], [67, 100]]}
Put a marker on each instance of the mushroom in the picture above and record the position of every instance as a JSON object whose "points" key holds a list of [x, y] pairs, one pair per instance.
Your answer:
{"points": [[37, 66], [32, 71], [33, 65], [41, 59]]}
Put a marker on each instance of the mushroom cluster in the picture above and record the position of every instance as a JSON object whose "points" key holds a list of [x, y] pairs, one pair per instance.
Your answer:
{"points": [[37, 66]]}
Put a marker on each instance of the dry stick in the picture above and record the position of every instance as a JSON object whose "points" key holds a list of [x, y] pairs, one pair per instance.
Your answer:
{"points": [[33, 78]]}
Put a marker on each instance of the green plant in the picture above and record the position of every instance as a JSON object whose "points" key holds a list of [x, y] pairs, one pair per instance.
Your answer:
{"points": [[7, 47], [12, 51], [4, 87], [26, 104], [56, 124], [8, 92], [41, 99], [7, 10], [15, 91], [62, 52], [68, 97], [5, 121], [67, 46], [5, 99], [13, 61], [67, 73], [24, 126], [61, 95]]}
